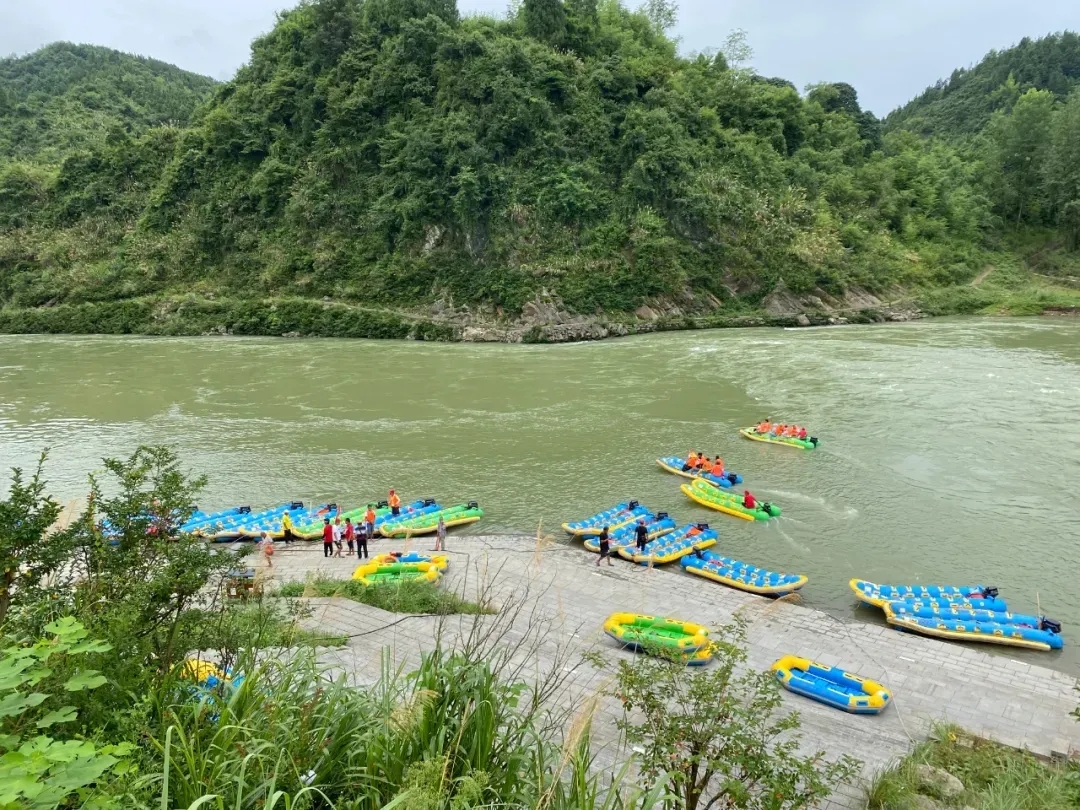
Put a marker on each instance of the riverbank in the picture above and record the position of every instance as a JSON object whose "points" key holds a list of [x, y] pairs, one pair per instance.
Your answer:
{"points": [[1014, 703], [541, 321]]}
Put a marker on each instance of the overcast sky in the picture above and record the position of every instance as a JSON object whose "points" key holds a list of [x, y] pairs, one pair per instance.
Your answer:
{"points": [[888, 49]]}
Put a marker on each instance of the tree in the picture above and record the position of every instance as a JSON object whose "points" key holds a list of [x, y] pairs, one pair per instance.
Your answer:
{"points": [[1061, 170], [1020, 142], [663, 14], [545, 20], [28, 553], [146, 589], [716, 736]]}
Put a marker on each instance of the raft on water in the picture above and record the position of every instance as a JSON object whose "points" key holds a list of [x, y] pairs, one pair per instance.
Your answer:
{"points": [[656, 634], [228, 524], [613, 518], [729, 503], [671, 547], [299, 516], [989, 627], [460, 515], [831, 685], [657, 525], [810, 443], [386, 573], [674, 465], [745, 577], [312, 530], [978, 597]]}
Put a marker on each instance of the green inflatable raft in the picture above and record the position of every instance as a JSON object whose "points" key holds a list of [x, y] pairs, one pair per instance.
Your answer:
{"points": [[729, 503], [460, 515]]}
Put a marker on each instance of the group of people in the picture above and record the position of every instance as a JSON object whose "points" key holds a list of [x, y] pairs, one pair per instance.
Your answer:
{"points": [[700, 462], [641, 539], [337, 536], [781, 431]]}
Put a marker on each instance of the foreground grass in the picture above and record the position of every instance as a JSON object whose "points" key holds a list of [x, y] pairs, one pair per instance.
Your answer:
{"points": [[404, 597], [994, 778]]}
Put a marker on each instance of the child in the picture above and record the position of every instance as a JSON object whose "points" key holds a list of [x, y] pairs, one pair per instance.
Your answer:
{"points": [[337, 536], [267, 546]]}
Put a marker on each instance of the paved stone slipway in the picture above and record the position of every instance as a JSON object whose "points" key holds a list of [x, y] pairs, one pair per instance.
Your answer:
{"points": [[1015, 703]]}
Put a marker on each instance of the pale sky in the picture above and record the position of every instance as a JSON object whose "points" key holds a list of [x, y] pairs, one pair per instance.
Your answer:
{"points": [[889, 50]]}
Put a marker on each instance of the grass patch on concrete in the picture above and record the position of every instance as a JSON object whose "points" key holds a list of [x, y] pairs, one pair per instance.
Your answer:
{"points": [[404, 597], [988, 776]]}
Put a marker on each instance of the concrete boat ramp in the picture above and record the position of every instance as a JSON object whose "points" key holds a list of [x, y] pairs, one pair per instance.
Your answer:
{"points": [[561, 599]]}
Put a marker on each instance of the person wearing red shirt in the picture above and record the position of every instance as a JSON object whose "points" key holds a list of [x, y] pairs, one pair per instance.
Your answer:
{"points": [[748, 501], [327, 538]]}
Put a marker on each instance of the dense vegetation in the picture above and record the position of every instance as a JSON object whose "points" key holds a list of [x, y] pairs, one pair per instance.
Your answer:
{"points": [[106, 624], [397, 156]]}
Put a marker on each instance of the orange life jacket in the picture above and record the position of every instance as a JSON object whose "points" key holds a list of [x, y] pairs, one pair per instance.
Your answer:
{"points": [[394, 500]]}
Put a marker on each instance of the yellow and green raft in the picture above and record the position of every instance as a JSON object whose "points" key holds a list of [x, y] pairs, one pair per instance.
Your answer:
{"points": [[460, 515], [657, 634], [392, 573], [730, 503], [788, 441]]}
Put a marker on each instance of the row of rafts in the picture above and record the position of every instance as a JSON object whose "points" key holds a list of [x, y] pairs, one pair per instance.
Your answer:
{"points": [[241, 523]]}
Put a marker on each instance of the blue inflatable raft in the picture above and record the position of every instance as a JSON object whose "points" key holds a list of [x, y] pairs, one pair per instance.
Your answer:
{"points": [[674, 465], [970, 596], [613, 518], [831, 686], [745, 577], [988, 627], [671, 547], [658, 525]]}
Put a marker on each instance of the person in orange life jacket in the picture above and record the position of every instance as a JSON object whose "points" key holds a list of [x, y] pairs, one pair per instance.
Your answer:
{"points": [[691, 461], [717, 468], [327, 538], [369, 520], [395, 503]]}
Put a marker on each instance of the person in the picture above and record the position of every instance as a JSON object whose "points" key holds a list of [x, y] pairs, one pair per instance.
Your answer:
{"points": [[267, 546], [440, 535], [641, 535], [778, 430], [327, 538], [691, 461], [361, 541], [605, 546], [765, 426], [349, 534], [717, 468], [369, 520], [702, 461], [792, 431], [394, 503], [287, 527], [802, 434], [748, 501], [337, 536]]}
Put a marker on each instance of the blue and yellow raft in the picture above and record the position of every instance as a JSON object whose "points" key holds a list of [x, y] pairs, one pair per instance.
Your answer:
{"points": [[671, 547], [613, 518], [986, 626], [969, 596], [658, 525], [745, 577], [674, 465], [831, 685]]}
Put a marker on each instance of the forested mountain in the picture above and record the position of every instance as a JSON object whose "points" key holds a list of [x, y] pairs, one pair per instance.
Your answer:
{"points": [[392, 154], [962, 104]]}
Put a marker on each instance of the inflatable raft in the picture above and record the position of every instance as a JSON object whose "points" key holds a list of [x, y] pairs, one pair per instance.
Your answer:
{"points": [[831, 686], [671, 547], [440, 561], [978, 597], [809, 443], [745, 577], [656, 633], [612, 518], [300, 516], [1029, 632], [312, 530], [674, 465], [384, 573], [729, 503], [226, 526], [658, 525], [460, 515], [201, 521]]}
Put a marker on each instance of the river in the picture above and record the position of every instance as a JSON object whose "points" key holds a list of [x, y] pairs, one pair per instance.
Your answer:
{"points": [[950, 448]]}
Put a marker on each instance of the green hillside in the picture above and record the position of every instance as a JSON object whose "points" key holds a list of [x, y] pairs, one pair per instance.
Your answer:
{"points": [[66, 97], [394, 157], [963, 104]]}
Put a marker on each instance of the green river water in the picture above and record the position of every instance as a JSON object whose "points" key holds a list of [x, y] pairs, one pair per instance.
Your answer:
{"points": [[950, 449]]}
